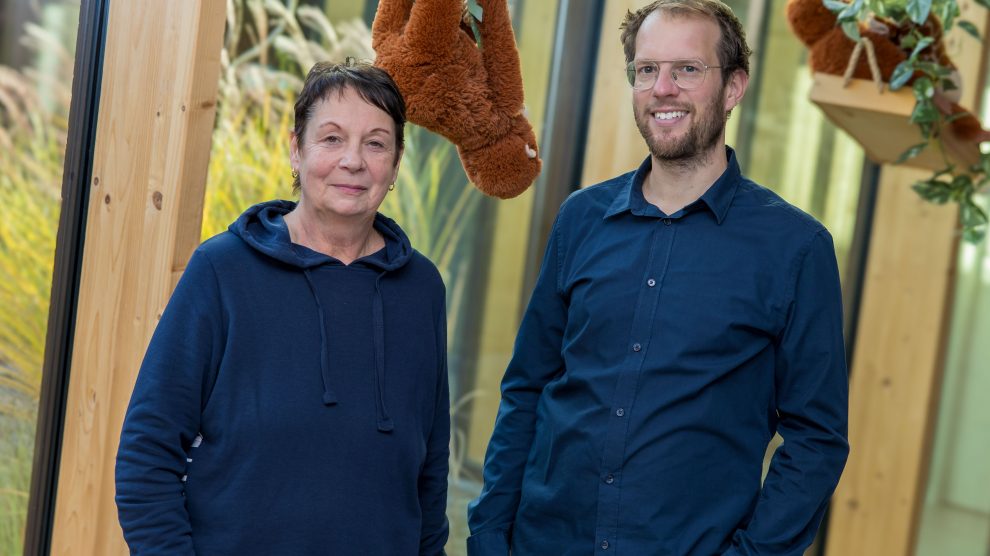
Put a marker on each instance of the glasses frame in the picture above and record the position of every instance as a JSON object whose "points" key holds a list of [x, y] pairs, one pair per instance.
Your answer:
{"points": [[631, 72]]}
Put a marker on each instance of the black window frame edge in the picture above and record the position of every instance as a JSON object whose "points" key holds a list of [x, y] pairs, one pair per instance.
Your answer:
{"points": [[77, 172], [564, 137]]}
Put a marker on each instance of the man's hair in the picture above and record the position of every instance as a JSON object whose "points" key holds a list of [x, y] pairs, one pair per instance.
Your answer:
{"points": [[371, 83], [733, 52]]}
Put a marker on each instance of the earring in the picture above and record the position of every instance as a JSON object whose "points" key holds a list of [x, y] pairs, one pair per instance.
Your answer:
{"points": [[391, 187], [295, 174]]}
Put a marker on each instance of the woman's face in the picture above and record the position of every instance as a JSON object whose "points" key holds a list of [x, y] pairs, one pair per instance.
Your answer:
{"points": [[347, 158]]}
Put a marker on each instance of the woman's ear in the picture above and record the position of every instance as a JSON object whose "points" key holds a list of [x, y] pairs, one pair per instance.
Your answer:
{"points": [[398, 160], [294, 150]]}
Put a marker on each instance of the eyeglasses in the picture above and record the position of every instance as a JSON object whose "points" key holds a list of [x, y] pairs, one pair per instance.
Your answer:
{"points": [[686, 74]]}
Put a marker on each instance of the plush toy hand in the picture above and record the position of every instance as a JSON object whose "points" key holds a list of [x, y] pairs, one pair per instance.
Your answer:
{"points": [[471, 96]]}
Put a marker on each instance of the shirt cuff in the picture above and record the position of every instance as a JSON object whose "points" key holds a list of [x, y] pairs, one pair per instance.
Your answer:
{"points": [[494, 542]]}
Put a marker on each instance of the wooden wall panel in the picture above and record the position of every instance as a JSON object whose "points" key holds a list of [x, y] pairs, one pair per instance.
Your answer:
{"points": [[897, 368], [162, 63]]}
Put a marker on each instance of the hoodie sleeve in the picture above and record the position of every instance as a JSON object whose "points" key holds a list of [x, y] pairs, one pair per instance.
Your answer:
{"points": [[433, 477], [163, 417]]}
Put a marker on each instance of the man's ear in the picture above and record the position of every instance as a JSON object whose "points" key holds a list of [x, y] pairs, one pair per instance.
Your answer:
{"points": [[735, 88]]}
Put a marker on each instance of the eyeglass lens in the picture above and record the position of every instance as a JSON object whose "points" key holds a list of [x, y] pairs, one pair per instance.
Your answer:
{"points": [[687, 74]]}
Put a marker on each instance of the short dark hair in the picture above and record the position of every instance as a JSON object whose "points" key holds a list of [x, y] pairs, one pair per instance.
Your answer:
{"points": [[733, 52], [372, 83]]}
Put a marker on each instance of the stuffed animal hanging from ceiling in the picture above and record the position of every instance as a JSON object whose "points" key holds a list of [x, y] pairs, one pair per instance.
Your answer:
{"points": [[470, 94]]}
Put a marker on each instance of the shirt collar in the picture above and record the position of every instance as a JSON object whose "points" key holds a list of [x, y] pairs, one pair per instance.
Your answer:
{"points": [[718, 198]]}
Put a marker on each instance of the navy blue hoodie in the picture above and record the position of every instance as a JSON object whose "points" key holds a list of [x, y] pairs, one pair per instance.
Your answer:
{"points": [[289, 404]]}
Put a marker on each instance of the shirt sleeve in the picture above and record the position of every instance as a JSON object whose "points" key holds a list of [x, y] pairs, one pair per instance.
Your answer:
{"points": [[812, 405], [536, 361], [433, 477], [163, 416]]}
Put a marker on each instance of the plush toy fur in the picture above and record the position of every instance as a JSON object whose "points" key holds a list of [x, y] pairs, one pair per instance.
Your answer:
{"points": [[830, 50], [471, 96]]}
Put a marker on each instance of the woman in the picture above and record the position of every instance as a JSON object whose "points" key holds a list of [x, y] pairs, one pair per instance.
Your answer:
{"points": [[293, 399]]}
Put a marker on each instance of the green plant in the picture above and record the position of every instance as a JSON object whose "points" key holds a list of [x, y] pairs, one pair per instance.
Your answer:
{"points": [[950, 183]]}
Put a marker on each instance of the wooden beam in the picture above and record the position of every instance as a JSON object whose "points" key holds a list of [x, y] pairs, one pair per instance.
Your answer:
{"points": [[157, 110], [897, 368]]}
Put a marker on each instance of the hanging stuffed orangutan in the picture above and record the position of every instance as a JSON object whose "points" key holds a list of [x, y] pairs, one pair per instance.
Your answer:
{"points": [[464, 87]]}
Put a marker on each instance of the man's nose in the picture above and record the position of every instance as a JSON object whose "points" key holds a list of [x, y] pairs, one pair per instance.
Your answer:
{"points": [[665, 85]]}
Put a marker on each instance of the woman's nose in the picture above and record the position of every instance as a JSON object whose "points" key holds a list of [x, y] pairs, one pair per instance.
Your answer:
{"points": [[351, 159]]}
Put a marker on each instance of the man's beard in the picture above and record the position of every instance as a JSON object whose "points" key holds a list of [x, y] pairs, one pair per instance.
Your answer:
{"points": [[691, 148]]}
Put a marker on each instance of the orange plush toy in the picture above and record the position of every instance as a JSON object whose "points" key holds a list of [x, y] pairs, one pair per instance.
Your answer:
{"points": [[830, 51], [471, 95]]}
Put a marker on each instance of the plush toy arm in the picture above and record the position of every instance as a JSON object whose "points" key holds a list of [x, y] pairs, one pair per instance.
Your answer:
{"points": [[391, 18], [434, 27], [500, 57]]}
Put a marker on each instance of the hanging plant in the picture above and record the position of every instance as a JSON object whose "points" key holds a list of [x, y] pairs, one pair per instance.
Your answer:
{"points": [[924, 22]]}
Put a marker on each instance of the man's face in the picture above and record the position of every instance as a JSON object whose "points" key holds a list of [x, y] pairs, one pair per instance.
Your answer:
{"points": [[681, 125]]}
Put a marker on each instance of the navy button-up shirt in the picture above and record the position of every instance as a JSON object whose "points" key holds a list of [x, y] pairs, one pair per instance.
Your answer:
{"points": [[658, 356]]}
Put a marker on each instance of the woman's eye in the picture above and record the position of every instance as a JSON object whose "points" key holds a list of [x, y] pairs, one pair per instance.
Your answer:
{"points": [[332, 139], [376, 144]]}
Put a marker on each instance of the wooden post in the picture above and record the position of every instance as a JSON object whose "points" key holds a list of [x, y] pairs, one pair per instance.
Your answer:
{"points": [[156, 118], [897, 367]]}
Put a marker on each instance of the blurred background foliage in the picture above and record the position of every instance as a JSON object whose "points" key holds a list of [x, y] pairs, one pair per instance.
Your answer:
{"points": [[34, 108]]}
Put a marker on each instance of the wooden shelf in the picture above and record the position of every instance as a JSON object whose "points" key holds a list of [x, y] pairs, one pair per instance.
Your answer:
{"points": [[879, 122]]}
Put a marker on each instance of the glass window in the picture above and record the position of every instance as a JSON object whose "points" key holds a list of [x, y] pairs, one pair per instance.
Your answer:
{"points": [[789, 146], [955, 517], [37, 41], [479, 244]]}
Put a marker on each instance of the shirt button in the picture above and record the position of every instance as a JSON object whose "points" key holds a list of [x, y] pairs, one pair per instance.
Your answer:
{"points": [[637, 347], [604, 545], [609, 479], [666, 221], [620, 412], [651, 282]]}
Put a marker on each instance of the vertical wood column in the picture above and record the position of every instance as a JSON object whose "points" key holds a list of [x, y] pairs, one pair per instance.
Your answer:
{"points": [[157, 109], [897, 368]]}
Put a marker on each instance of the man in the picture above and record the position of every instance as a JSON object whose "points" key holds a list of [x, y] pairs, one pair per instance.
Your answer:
{"points": [[682, 316]]}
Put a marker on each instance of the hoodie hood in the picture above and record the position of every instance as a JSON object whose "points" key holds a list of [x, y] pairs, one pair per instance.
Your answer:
{"points": [[263, 228]]}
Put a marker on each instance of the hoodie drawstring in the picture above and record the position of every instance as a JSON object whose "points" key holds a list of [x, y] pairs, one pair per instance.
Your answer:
{"points": [[384, 422], [329, 398], [378, 322]]}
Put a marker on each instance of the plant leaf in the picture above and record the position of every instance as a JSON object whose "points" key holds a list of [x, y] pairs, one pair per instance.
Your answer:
{"points": [[475, 10], [970, 28], [912, 152], [918, 10], [922, 44], [923, 88], [851, 29], [984, 3], [835, 5], [902, 73]]}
